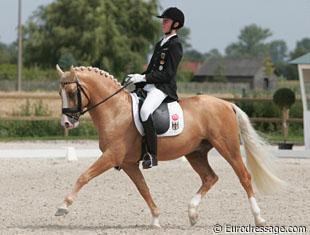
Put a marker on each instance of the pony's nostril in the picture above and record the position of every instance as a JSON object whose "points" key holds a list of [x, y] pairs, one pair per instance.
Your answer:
{"points": [[67, 124]]}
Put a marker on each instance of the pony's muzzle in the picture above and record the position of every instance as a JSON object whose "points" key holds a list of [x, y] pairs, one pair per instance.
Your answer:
{"points": [[68, 122]]}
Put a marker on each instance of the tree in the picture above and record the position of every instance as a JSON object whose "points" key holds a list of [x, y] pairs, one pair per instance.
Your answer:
{"points": [[284, 98], [286, 70], [213, 54], [184, 36], [194, 55], [8, 53], [66, 61], [289, 71], [277, 50], [113, 35], [268, 66], [302, 47], [251, 42], [4, 56]]}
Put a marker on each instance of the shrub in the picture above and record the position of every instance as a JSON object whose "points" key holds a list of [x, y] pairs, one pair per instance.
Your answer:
{"points": [[267, 109], [44, 128], [284, 98], [9, 72]]}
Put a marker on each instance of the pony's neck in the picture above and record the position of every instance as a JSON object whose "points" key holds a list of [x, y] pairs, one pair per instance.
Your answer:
{"points": [[100, 85]]}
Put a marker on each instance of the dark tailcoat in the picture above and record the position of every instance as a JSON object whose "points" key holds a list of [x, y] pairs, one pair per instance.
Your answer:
{"points": [[163, 66]]}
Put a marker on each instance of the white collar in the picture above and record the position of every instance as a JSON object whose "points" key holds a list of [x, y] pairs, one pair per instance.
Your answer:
{"points": [[166, 39]]}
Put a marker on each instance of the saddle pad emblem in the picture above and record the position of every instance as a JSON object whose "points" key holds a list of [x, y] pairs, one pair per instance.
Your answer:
{"points": [[175, 125], [175, 121], [175, 117]]}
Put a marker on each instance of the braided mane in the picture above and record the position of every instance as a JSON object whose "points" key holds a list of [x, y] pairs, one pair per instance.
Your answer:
{"points": [[98, 71]]}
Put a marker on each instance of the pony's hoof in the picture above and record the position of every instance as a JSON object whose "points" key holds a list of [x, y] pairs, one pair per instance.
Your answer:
{"points": [[260, 221], [61, 211], [192, 215], [155, 223], [156, 226]]}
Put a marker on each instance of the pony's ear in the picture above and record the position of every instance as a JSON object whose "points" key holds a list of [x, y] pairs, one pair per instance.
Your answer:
{"points": [[72, 72], [59, 71]]}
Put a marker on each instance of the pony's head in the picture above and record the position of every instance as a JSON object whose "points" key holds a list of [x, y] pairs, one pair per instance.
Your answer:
{"points": [[73, 96]]}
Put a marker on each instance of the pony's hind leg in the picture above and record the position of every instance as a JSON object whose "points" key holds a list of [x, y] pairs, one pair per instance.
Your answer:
{"points": [[199, 162], [230, 150]]}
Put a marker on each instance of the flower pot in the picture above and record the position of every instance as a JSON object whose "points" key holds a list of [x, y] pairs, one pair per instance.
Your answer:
{"points": [[285, 146]]}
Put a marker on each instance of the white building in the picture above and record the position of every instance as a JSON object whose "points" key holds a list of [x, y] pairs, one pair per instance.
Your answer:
{"points": [[303, 63]]}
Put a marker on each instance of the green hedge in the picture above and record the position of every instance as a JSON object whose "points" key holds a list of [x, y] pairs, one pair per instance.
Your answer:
{"points": [[269, 109], [42, 129], [9, 72]]}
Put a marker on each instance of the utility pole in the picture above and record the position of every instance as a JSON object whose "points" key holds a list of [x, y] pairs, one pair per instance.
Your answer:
{"points": [[20, 49]]}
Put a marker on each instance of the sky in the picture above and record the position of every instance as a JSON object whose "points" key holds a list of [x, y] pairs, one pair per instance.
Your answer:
{"points": [[212, 23]]}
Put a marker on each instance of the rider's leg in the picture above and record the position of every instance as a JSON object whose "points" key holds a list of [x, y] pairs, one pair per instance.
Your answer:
{"points": [[153, 99]]}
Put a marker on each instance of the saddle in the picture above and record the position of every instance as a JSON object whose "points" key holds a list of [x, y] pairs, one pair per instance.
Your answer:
{"points": [[167, 118]]}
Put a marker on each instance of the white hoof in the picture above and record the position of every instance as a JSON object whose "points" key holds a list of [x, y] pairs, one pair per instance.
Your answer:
{"points": [[155, 222], [259, 221], [156, 226], [192, 215]]}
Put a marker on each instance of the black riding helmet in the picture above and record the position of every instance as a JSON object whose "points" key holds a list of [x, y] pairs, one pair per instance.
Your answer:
{"points": [[174, 14]]}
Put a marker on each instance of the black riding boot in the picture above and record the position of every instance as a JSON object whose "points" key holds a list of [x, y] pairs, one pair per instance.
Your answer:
{"points": [[150, 157]]}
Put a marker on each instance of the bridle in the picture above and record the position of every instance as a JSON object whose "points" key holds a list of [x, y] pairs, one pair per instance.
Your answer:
{"points": [[78, 111]]}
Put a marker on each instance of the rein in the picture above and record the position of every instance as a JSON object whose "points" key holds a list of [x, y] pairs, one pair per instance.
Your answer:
{"points": [[106, 99], [76, 113]]}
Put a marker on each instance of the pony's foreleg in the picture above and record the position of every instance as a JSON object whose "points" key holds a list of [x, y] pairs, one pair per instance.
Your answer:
{"points": [[200, 164], [133, 171], [104, 163]]}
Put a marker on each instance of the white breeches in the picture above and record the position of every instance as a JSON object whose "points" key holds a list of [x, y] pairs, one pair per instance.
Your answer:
{"points": [[152, 101]]}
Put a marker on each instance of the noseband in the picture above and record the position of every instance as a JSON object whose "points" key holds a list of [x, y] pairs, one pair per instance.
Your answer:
{"points": [[78, 111]]}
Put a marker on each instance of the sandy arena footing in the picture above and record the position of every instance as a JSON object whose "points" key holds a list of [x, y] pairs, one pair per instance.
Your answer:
{"points": [[31, 189]]}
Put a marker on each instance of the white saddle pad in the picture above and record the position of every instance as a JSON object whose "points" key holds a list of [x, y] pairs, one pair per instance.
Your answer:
{"points": [[176, 117]]}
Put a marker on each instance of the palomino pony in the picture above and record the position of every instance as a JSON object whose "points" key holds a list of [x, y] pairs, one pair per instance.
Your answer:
{"points": [[209, 122]]}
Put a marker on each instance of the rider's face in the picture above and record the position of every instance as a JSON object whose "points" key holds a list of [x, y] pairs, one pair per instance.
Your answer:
{"points": [[166, 25]]}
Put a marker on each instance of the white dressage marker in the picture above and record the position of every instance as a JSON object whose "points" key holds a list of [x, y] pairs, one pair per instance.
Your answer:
{"points": [[71, 154]]}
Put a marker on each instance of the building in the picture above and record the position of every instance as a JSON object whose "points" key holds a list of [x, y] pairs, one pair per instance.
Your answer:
{"points": [[249, 71], [303, 63], [191, 66]]}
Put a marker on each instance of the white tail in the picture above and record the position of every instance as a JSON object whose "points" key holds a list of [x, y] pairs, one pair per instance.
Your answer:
{"points": [[259, 159]]}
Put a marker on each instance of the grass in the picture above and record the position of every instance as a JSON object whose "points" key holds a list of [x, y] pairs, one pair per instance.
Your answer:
{"points": [[275, 138]]}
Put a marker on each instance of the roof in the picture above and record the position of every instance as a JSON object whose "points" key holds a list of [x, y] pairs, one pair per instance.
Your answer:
{"points": [[232, 67], [191, 66], [305, 59]]}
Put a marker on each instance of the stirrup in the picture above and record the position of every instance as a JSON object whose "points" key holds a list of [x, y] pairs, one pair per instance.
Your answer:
{"points": [[149, 161]]}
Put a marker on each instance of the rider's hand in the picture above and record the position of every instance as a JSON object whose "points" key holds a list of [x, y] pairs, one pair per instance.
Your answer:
{"points": [[136, 78]]}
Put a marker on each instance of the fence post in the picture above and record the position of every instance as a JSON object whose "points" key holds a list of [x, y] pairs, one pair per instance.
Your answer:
{"points": [[66, 132]]}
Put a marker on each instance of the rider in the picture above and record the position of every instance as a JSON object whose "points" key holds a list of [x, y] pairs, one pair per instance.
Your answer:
{"points": [[159, 78]]}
